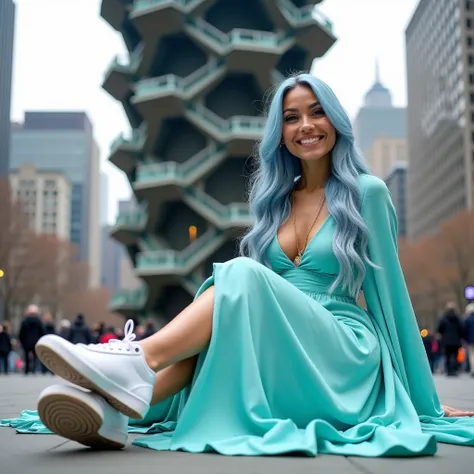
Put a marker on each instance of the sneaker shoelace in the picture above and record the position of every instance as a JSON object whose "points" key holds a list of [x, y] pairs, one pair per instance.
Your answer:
{"points": [[125, 344]]}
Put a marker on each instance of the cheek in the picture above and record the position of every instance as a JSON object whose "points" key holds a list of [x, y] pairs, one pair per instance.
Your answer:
{"points": [[287, 136]]}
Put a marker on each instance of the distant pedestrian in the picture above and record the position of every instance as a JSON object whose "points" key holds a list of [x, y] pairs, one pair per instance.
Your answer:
{"points": [[451, 331], [469, 334], [5, 346], [31, 331], [64, 328], [80, 332]]}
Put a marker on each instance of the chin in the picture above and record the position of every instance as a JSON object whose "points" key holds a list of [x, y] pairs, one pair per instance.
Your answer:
{"points": [[312, 157]]}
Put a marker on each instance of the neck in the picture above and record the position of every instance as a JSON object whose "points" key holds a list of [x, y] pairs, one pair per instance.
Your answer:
{"points": [[314, 174]]}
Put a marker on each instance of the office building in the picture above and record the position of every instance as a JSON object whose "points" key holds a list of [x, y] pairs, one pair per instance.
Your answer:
{"points": [[396, 182], [440, 86], [64, 141], [384, 153], [111, 255], [7, 27], [104, 199], [45, 197], [195, 117]]}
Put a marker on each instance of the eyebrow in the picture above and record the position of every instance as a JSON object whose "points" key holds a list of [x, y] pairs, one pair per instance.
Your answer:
{"points": [[314, 104]]}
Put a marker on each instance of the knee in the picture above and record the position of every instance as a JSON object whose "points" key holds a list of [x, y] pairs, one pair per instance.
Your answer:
{"points": [[244, 266]]}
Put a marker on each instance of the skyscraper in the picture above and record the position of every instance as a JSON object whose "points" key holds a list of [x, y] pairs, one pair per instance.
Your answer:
{"points": [[104, 199], [7, 26], [378, 117], [195, 117], [440, 85], [396, 183], [64, 142]]}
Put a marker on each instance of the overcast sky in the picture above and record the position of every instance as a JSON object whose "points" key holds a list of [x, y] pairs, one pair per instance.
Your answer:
{"points": [[62, 48]]}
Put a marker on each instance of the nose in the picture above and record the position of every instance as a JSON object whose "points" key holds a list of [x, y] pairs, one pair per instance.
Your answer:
{"points": [[306, 125]]}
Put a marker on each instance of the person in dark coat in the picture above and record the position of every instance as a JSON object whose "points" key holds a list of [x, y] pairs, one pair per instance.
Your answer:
{"points": [[31, 331], [149, 329], [5, 347], [451, 331], [469, 334], [49, 328], [80, 332]]}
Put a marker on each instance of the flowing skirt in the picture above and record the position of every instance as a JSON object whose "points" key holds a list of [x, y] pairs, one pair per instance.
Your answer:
{"points": [[287, 372]]}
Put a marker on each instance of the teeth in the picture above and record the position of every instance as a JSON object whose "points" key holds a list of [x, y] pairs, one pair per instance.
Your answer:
{"points": [[308, 141]]}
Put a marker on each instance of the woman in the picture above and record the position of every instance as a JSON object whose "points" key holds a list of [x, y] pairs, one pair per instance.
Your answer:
{"points": [[274, 355]]}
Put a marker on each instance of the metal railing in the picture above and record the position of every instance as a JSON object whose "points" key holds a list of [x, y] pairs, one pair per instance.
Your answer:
{"points": [[303, 15], [131, 298], [173, 83], [238, 36], [187, 171], [172, 259]]}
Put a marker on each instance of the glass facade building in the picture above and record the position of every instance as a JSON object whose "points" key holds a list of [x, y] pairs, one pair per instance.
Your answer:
{"points": [[7, 27], [64, 141], [440, 83]]}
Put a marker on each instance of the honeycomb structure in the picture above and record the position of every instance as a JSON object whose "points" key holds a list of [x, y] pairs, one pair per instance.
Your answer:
{"points": [[191, 87]]}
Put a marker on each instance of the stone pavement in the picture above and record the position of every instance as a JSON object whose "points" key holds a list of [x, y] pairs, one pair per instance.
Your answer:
{"points": [[50, 454]]}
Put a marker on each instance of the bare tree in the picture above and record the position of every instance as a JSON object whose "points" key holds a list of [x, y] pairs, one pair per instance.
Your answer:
{"points": [[456, 249], [58, 274], [16, 241]]}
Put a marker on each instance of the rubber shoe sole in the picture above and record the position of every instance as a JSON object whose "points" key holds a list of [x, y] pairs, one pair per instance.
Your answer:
{"points": [[60, 367], [75, 419]]}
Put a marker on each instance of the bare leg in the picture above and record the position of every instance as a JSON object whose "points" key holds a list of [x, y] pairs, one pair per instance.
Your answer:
{"points": [[183, 337], [173, 379]]}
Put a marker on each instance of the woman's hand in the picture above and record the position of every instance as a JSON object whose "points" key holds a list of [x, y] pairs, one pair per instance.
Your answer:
{"points": [[451, 412]]}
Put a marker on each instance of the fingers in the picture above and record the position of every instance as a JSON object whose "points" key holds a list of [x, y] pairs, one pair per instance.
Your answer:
{"points": [[454, 413]]}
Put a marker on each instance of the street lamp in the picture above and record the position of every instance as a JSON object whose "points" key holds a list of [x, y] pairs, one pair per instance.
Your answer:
{"points": [[2, 273], [468, 292]]}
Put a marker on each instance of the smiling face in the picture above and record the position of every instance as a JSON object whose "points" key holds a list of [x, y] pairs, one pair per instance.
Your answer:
{"points": [[307, 132]]}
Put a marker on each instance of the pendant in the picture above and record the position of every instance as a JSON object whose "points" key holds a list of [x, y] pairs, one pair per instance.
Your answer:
{"points": [[297, 260]]}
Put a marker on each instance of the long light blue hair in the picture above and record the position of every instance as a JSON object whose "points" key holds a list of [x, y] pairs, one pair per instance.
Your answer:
{"points": [[274, 180]]}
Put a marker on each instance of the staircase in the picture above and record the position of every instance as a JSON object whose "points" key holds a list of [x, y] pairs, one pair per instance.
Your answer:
{"points": [[304, 16], [143, 7], [238, 39], [222, 217], [184, 88], [236, 127], [171, 262], [132, 221], [133, 143], [127, 64], [181, 174], [131, 300]]}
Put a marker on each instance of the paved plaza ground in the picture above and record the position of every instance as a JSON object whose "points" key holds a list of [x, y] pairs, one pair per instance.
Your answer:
{"points": [[41, 454]]}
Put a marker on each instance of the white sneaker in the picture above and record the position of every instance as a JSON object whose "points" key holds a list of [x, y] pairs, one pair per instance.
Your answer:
{"points": [[83, 417], [116, 370]]}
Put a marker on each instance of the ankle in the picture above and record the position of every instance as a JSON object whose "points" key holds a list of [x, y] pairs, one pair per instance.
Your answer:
{"points": [[152, 361]]}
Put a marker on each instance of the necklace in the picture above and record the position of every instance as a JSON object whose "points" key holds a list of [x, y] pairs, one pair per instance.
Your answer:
{"points": [[299, 255]]}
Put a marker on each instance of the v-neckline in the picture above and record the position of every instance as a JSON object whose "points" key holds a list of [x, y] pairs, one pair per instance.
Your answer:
{"points": [[307, 246]]}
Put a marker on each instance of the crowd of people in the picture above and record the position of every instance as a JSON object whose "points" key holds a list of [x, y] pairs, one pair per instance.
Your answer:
{"points": [[17, 353], [450, 349]]}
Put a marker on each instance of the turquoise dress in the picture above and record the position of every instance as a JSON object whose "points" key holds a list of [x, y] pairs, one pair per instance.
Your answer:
{"points": [[292, 368]]}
